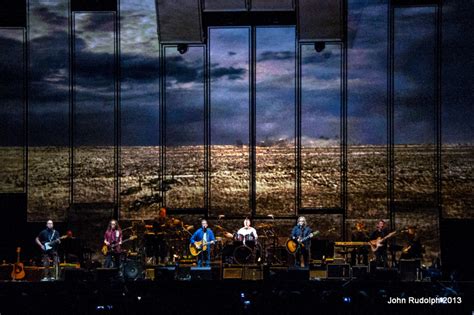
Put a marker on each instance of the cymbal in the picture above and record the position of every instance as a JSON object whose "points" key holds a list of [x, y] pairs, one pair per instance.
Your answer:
{"points": [[264, 226], [188, 227], [218, 227]]}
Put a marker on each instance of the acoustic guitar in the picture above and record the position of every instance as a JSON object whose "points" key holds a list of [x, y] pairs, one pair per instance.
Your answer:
{"points": [[197, 247], [18, 272], [294, 245], [105, 249]]}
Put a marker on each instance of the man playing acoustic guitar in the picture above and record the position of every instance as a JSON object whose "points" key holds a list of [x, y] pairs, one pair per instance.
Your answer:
{"points": [[302, 233], [201, 240], [48, 240]]}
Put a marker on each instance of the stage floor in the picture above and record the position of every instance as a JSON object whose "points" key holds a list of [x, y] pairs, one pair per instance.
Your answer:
{"points": [[234, 296]]}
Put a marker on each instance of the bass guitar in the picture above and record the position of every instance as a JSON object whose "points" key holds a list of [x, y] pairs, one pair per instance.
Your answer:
{"points": [[105, 249], [377, 243], [49, 245], [18, 272], [197, 247]]}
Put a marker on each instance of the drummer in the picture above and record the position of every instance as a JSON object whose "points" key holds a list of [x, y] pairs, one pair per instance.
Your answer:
{"points": [[247, 233]]}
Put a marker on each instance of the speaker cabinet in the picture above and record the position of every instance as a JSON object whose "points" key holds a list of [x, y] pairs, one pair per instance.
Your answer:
{"points": [[409, 269], [165, 273], [232, 273], [201, 273], [338, 271]]}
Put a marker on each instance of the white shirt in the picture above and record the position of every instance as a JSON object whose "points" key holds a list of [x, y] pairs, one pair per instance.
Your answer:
{"points": [[246, 231]]}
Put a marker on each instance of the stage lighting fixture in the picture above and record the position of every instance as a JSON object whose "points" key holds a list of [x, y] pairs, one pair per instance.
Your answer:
{"points": [[319, 46], [182, 48]]}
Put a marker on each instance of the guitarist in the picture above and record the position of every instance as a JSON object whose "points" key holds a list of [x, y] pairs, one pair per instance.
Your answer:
{"points": [[300, 231], [113, 240], [49, 235], [381, 257], [205, 235]]}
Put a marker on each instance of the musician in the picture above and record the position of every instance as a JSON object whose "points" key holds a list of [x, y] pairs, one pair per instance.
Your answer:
{"points": [[203, 234], [413, 248], [160, 246], [360, 255], [300, 231], [113, 240], [381, 257], [247, 230], [50, 236]]}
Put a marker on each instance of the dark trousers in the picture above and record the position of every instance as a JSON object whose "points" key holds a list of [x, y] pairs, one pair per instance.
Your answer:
{"points": [[50, 258], [381, 258], [206, 256], [302, 252], [113, 260]]}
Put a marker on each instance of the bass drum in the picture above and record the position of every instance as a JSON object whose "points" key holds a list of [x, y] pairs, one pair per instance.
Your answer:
{"points": [[244, 255]]}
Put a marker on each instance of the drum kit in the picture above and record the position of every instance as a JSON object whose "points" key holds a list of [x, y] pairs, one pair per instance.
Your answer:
{"points": [[170, 238]]}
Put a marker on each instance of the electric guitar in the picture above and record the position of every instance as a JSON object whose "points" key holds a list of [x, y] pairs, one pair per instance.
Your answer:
{"points": [[105, 249], [294, 245], [50, 245], [18, 272], [197, 247], [377, 243]]}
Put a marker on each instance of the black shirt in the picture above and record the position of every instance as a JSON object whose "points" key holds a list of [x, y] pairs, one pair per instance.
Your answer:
{"points": [[48, 235], [376, 234]]}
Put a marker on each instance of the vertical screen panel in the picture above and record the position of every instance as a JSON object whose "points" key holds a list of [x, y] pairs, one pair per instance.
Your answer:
{"points": [[94, 174], [367, 109], [275, 121], [48, 111], [320, 127], [414, 106], [12, 110], [184, 108], [230, 174], [139, 86], [457, 114]]}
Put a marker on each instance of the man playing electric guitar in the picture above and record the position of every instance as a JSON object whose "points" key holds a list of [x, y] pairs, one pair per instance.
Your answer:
{"points": [[379, 245], [201, 239], [113, 240], [48, 240], [302, 234]]}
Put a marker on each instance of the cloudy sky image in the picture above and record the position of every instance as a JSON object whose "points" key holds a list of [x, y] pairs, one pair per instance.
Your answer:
{"points": [[414, 116]]}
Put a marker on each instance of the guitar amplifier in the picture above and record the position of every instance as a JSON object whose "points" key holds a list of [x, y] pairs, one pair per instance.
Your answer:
{"points": [[232, 273], [252, 273], [317, 272]]}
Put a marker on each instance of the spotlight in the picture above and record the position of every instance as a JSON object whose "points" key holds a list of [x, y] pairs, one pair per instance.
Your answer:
{"points": [[319, 46], [182, 48], [346, 299]]}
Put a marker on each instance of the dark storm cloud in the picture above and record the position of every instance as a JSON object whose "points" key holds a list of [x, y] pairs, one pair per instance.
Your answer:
{"points": [[231, 53], [11, 64], [182, 71], [103, 22], [53, 18], [276, 55], [231, 73]]}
